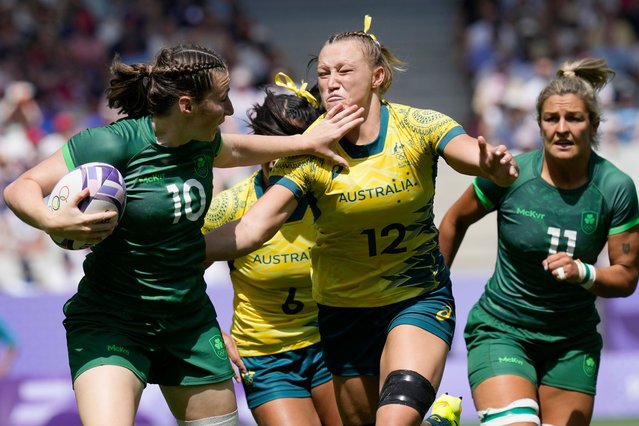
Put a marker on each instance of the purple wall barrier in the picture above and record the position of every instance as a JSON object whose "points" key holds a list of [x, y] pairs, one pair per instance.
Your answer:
{"points": [[621, 325], [38, 391]]}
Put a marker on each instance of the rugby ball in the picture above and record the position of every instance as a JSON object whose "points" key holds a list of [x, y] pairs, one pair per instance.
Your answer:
{"points": [[106, 192]]}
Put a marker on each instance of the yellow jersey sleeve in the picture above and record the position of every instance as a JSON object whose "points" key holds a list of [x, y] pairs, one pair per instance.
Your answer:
{"points": [[230, 205]]}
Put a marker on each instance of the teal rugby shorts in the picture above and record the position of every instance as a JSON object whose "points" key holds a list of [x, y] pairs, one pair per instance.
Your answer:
{"points": [[354, 338], [291, 374], [185, 349], [564, 359]]}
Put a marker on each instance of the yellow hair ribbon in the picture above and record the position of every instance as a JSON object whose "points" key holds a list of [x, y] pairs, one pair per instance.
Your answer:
{"points": [[367, 25], [286, 82]]}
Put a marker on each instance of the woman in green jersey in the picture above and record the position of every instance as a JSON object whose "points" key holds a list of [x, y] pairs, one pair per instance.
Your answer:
{"points": [[536, 360], [141, 314], [386, 310]]}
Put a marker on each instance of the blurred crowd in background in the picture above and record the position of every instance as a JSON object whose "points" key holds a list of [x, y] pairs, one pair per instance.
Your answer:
{"points": [[54, 67], [54, 58], [510, 48]]}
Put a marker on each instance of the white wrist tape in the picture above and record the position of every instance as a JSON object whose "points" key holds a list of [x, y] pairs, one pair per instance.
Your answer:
{"points": [[587, 274]]}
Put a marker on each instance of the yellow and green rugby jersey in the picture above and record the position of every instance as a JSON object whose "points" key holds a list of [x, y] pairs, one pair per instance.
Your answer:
{"points": [[376, 239], [274, 310]]}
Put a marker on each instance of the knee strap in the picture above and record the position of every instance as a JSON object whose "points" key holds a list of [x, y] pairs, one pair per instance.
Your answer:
{"points": [[230, 419], [521, 410], [407, 387]]}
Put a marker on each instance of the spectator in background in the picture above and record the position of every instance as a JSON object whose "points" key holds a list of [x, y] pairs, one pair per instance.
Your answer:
{"points": [[503, 101], [511, 47], [34, 262], [8, 350], [30, 261], [621, 129], [45, 98], [44, 43]]}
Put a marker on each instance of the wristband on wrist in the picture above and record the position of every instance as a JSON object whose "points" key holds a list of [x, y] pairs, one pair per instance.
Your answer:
{"points": [[587, 274]]}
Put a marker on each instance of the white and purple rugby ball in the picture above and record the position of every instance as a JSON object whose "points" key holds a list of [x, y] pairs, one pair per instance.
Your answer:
{"points": [[106, 192]]}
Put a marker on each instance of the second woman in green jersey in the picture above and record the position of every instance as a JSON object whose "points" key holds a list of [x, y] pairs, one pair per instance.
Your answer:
{"points": [[535, 361]]}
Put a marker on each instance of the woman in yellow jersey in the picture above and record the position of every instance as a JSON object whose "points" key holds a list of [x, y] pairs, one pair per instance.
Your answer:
{"points": [[386, 309], [285, 379]]}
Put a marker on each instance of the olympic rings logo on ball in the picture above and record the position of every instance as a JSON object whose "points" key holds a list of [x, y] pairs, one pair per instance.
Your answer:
{"points": [[59, 198]]}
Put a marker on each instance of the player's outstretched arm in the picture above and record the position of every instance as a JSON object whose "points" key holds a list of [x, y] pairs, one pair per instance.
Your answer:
{"points": [[476, 157], [456, 221], [246, 150], [254, 228]]}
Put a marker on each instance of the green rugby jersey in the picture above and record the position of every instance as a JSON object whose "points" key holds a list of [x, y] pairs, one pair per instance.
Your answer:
{"points": [[274, 310], [153, 261], [376, 240], [536, 219]]}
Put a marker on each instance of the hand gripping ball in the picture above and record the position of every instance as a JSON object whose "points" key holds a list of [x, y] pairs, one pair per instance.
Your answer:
{"points": [[106, 192]]}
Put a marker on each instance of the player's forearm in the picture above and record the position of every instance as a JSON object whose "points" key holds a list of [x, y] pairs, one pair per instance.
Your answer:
{"points": [[451, 235], [25, 199], [231, 241], [615, 281], [476, 157], [246, 150]]}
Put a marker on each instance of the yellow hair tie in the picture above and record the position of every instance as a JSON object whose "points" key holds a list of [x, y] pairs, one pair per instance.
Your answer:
{"points": [[285, 81], [367, 25]]}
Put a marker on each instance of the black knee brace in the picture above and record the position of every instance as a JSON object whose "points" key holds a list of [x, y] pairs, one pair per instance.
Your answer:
{"points": [[409, 388]]}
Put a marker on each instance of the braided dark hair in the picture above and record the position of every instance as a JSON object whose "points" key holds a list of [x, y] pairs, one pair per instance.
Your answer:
{"points": [[185, 70]]}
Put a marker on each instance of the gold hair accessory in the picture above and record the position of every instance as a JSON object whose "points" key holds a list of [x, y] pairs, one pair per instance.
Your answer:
{"points": [[367, 25], [285, 81]]}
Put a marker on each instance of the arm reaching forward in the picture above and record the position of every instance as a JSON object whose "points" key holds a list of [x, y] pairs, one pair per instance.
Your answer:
{"points": [[251, 231]]}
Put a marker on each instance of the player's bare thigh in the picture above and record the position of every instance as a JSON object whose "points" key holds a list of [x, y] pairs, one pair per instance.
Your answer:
{"points": [[412, 348], [287, 412], [357, 398], [325, 404], [107, 395], [564, 407], [200, 401]]}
